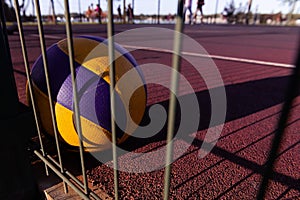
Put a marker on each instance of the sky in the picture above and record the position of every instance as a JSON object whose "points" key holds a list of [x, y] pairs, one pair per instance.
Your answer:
{"points": [[166, 6]]}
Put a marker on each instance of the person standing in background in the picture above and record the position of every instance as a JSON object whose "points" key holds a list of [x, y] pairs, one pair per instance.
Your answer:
{"points": [[98, 11], [187, 7], [130, 14], [120, 13], [88, 14], [200, 3]]}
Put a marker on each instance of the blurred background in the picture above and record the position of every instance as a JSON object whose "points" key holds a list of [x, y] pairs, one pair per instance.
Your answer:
{"points": [[273, 12]]}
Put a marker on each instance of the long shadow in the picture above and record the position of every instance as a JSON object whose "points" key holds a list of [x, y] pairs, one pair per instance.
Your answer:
{"points": [[254, 167], [232, 156], [243, 99]]}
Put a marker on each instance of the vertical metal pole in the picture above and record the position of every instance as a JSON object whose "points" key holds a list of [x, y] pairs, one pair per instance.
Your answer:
{"points": [[132, 6], [248, 12], [176, 62], [216, 11], [158, 11], [292, 92], [290, 14], [33, 11], [51, 104], [111, 53], [99, 13], [124, 11], [29, 82], [132, 11], [75, 96], [53, 12], [79, 8], [10, 2]]}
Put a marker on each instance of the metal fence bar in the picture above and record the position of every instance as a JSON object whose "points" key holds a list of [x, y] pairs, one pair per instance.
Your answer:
{"points": [[111, 53], [76, 180], [75, 97], [62, 176], [29, 82], [176, 62], [51, 103], [216, 11], [66, 172], [292, 92]]}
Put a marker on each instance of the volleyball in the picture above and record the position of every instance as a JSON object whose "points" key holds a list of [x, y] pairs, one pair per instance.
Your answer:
{"points": [[91, 63]]}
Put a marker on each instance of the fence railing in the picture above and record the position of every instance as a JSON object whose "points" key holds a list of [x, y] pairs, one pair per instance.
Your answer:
{"points": [[81, 187]]}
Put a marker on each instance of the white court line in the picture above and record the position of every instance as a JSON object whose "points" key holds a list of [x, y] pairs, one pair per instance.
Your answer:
{"points": [[46, 36], [250, 61], [227, 58]]}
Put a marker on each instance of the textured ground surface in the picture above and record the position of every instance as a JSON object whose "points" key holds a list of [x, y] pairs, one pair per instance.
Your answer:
{"points": [[255, 93]]}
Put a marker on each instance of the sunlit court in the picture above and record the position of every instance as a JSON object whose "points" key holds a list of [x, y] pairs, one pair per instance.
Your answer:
{"points": [[139, 100]]}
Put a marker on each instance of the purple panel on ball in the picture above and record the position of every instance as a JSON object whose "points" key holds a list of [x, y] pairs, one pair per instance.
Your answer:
{"points": [[58, 68], [94, 98]]}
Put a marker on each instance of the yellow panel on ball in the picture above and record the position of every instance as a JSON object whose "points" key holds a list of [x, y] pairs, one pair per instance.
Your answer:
{"points": [[93, 84]]}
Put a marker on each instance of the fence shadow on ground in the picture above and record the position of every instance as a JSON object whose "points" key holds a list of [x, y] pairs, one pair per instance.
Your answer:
{"points": [[243, 99]]}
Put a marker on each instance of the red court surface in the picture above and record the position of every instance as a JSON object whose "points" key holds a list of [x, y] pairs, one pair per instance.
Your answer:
{"points": [[255, 93]]}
